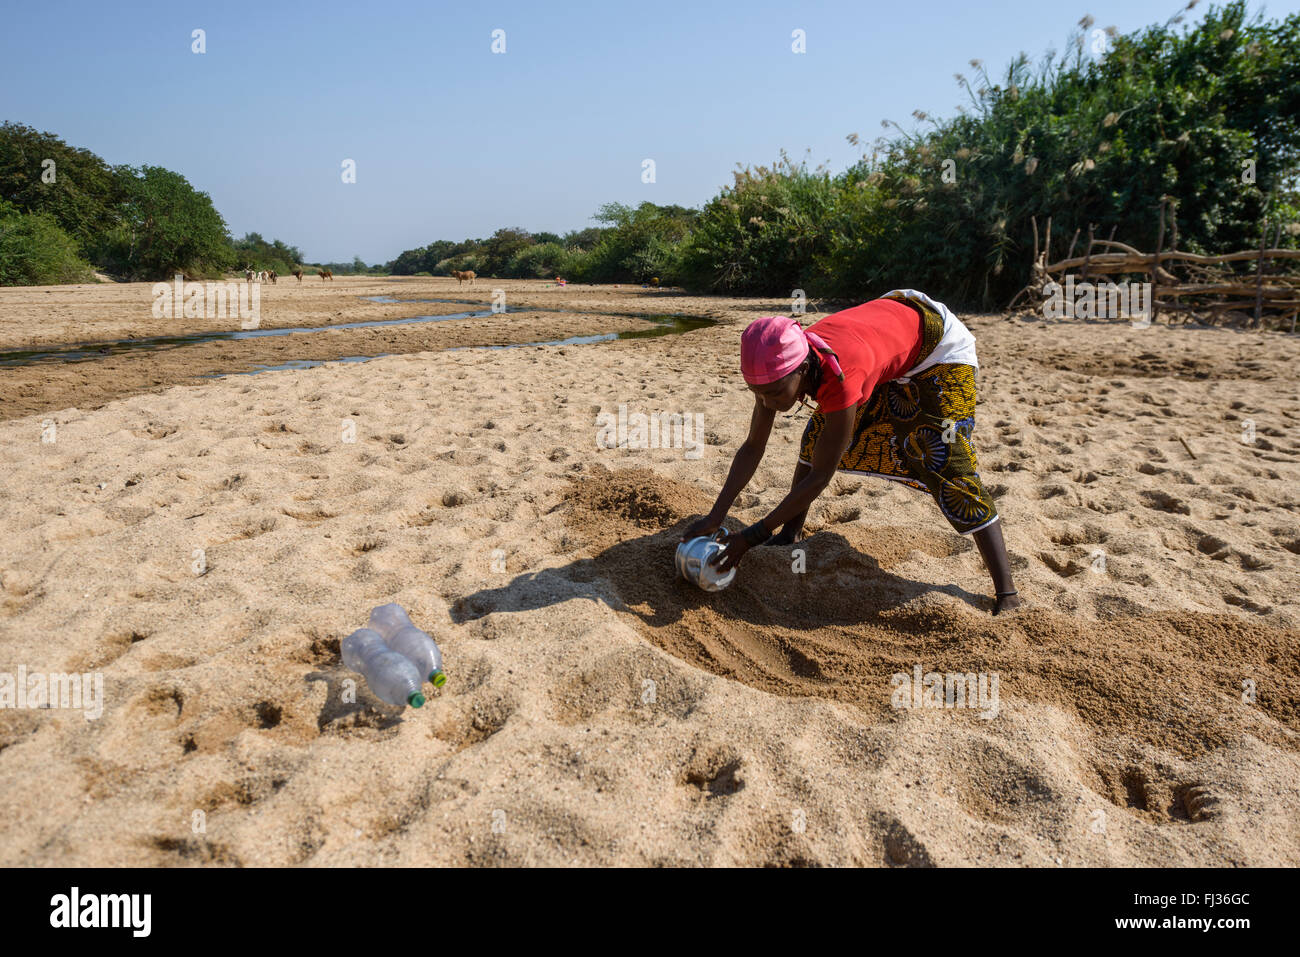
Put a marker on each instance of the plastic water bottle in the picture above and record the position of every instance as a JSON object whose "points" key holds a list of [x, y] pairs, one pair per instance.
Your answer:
{"points": [[391, 676], [386, 619], [400, 634]]}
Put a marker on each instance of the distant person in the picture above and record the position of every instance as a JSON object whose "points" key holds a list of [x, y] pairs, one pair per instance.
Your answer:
{"points": [[894, 383]]}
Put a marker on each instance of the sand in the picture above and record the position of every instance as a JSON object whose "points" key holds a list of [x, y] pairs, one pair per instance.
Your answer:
{"points": [[598, 711], [36, 319]]}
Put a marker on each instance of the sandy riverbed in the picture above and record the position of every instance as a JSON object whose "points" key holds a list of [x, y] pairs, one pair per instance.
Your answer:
{"points": [[597, 711]]}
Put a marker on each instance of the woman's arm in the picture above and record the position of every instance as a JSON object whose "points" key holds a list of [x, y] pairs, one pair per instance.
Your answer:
{"points": [[830, 448], [743, 467], [826, 459]]}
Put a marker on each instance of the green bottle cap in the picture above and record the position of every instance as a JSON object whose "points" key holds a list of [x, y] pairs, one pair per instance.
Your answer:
{"points": [[438, 678], [415, 700]]}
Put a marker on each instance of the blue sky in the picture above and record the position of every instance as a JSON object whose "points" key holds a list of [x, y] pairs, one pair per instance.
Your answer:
{"points": [[452, 141]]}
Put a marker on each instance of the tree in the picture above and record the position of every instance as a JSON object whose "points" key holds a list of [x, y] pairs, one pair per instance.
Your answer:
{"points": [[640, 243], [84, 195], [583, 238], [254, 252], [168, 226], [502, 247]]}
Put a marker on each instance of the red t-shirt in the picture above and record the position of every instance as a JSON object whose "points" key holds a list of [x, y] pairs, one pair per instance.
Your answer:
{"points": [[875, 342]]}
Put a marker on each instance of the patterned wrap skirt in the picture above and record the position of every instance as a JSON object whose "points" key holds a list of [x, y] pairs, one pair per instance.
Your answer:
{"points": [[918, 433]]}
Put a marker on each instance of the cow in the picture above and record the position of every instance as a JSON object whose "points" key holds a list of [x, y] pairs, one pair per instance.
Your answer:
{"points": [[463, 275], [249, 275], [325, 274], [270, 274], [298, 273]]}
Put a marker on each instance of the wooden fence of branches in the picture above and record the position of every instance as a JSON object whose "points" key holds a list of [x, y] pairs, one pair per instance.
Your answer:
{"points": [[1256, 288]]}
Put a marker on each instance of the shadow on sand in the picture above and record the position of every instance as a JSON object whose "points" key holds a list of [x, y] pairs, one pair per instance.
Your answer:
{"points": [[841, 584]]}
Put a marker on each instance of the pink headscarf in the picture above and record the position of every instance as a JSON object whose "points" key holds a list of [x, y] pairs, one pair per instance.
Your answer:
{"points": [[774, 346]]}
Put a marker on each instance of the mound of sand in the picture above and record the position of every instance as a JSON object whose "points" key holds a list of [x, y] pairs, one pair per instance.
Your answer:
{"points": [[838, 623]]}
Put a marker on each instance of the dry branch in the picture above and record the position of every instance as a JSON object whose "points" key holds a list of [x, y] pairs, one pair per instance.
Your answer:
{"points": [[1215, 289]]}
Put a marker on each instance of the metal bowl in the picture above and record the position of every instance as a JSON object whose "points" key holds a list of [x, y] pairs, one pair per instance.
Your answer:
{"points": [[692, 561]]}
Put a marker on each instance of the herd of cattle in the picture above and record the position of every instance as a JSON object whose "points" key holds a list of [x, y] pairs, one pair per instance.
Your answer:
{"points": [[264, 275]]}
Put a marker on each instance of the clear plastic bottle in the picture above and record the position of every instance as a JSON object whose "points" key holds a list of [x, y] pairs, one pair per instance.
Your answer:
{"points": [[394, 625], [391, 676], [386, 619], [420, 647]]}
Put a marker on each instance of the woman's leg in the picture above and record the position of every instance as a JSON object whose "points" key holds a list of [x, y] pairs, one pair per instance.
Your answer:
{"points": [[994, 552], [933, 424], [789, 533]]}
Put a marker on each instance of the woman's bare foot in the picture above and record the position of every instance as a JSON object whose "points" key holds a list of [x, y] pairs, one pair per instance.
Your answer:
{"points": [[1003, 603]]}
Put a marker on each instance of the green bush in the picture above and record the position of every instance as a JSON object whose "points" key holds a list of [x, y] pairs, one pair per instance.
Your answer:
{"points": [[639, 243], [541, 261], [573, 265], [763, 233], [471, 261], [429, 258], [35, 251], [254, 252]]}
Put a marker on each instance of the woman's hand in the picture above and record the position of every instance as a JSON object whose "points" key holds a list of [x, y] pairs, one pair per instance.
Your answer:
{"points": [[734, 547], [702, 526], [743, 466]]}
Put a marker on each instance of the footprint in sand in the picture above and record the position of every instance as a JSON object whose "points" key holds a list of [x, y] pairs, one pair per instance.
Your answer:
{"points": [[1065, 569], [154, 432], [1291, 544], [1164, 502], [191, 850], [108, 649], [1245, 604], [1078, 536], [1216, 548], [714, 772], [309, 516], [476, 721], [1199, 802], [164, 703], [903, 849], [229, 483], [838, 515]]}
